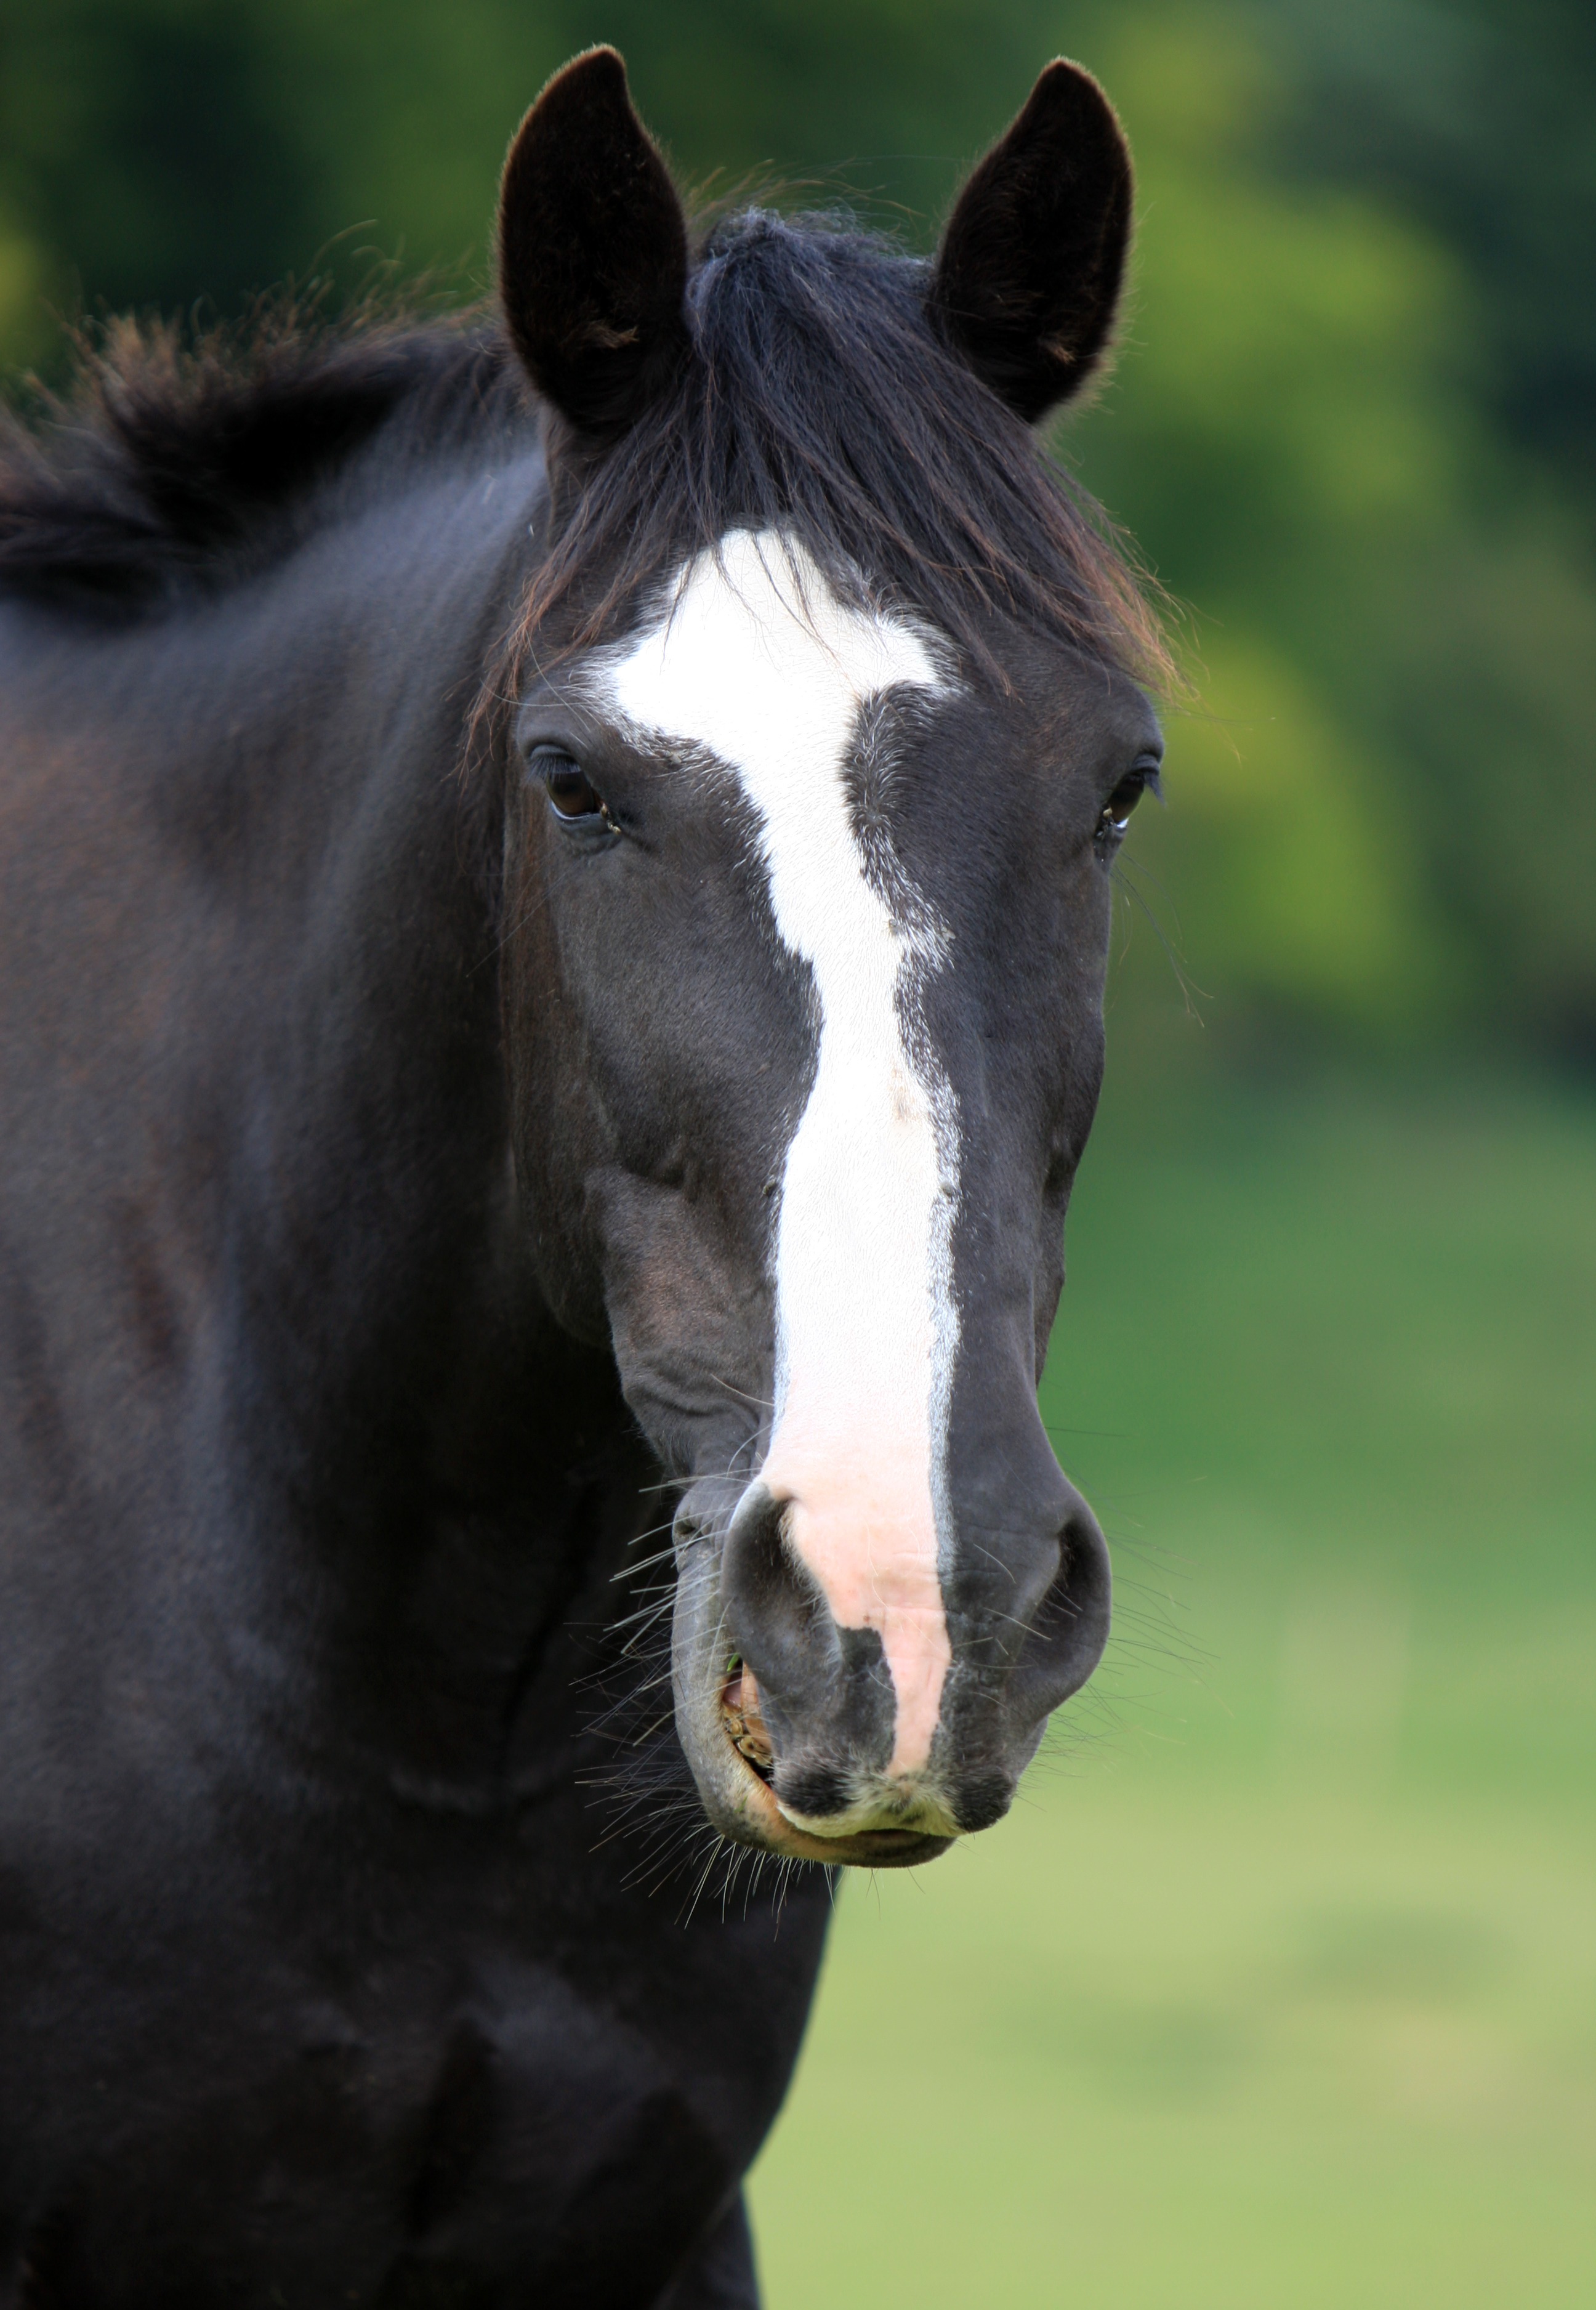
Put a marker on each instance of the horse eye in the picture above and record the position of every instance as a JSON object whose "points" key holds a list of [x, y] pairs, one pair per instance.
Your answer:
{"points": [[1122, 801], [567, 786]]}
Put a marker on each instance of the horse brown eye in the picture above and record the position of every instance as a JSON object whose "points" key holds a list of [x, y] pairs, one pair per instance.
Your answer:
{"points": [[568, 787], [1122, 802]]}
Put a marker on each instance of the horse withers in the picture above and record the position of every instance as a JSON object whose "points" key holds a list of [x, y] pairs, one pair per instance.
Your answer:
{"points": [[557, 889]]}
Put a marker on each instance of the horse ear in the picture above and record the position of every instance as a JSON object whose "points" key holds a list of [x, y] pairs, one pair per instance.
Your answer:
{"points": [[1027, 277], [591, 249]]}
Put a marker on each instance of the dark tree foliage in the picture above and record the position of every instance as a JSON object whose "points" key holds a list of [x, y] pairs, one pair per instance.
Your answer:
{"points": [[1476, 117]]}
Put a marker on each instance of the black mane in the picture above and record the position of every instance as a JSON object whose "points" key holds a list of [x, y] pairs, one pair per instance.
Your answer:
{"points": [[818, 398], [168, 461]]}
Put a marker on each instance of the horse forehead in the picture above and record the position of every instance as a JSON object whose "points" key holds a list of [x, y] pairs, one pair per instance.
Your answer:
{"points": [[759, 659]]}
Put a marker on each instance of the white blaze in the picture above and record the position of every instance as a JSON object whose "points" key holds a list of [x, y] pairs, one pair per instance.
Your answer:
{"points": [[772, 676]]}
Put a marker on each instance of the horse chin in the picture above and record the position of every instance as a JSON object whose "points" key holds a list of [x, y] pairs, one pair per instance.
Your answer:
{"points": [[739, 1801]]}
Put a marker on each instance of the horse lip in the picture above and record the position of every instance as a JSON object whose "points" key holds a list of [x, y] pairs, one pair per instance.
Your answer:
{"points": [[745, 1734], [878, 1849], [944, 1833], [744, 1720]]}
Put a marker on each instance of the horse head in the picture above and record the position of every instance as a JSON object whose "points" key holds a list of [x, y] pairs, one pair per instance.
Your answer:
{"points": [[827, 734]]}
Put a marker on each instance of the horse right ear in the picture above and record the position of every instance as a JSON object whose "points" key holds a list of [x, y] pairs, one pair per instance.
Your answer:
{"points": [[592, 250], [1027, 277]]}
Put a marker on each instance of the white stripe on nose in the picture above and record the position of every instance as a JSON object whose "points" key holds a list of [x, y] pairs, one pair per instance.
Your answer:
{"points": [[760, 662]]}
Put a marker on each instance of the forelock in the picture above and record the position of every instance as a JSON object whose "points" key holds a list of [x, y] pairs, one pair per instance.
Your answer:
{"points": [[820, 402]]}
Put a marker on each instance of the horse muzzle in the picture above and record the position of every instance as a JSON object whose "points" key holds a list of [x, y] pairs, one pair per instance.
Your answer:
{"points": [[794, 1721]]}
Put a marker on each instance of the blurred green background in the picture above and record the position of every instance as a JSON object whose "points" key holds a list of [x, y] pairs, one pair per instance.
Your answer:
{"points": [[1280, 1988]]}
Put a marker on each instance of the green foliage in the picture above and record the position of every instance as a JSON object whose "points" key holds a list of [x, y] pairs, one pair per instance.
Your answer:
{"points": [[1474, 117], [1345, 431], [1397, 630]]}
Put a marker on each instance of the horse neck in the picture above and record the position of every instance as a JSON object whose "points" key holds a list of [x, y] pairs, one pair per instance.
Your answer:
{"points": [[396, 1409]]}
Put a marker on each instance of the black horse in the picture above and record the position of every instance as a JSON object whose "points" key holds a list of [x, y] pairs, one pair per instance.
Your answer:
{"points": [[556, 877]]}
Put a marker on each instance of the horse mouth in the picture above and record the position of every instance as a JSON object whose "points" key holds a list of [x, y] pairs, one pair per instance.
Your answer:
{"points": [[744, 1727]]}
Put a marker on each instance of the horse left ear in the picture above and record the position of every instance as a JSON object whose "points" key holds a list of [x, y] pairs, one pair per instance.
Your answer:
{"points": [[1027, 277], [592, 250]]}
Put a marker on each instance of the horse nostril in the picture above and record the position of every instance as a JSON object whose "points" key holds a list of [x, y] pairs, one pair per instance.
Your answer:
{"points": [[775, 1613], [1071, 1626], [823, 1694]]}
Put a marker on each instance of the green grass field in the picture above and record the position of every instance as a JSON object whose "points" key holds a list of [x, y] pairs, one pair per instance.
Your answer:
{"points": [[1278, 1989]]}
